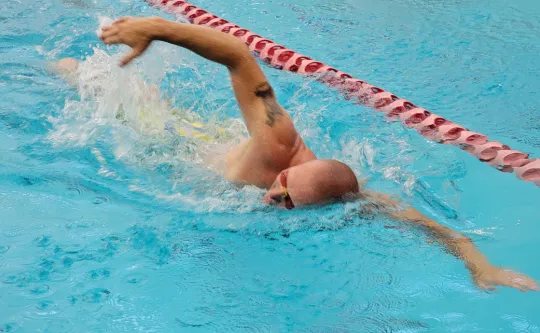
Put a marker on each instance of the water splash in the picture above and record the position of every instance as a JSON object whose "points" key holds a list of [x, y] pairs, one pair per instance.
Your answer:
{"points": [[123, 111]]}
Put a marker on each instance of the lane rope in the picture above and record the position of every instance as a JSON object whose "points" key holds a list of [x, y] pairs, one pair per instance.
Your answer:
{"points": [[428, 124]]}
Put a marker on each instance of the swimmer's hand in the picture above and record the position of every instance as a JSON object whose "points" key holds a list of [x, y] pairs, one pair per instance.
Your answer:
{"points": [[136, 33], [492, 276], [484, 274]]}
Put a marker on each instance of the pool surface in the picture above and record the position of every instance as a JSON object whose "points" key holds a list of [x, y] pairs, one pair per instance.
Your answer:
{"points": [[110, 226]]}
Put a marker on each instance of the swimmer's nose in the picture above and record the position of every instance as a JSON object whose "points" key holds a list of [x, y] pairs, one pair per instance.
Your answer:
{"points": [[270, 200], [273, 197]]}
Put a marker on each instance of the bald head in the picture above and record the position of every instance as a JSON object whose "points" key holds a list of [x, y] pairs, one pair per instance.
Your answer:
{"points": [[316, 181]]}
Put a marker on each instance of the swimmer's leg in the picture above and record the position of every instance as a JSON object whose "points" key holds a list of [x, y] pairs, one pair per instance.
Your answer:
{"points": [[182, 122], [147, 104], [68, 69]]}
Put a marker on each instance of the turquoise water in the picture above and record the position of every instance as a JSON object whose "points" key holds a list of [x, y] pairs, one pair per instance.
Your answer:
{"points": [[112, 227]]}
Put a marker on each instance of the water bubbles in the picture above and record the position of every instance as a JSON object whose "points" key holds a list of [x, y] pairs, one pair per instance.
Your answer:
{"points": [[521, 323], [84, 224], [59, 325], [43, 241], [76, 190], [99, 274], [9, 327], [22, 279], [135, 278], [29, 180], [97, 295], [195, 317], [14, 232], [38, 291], [69, 248], [91, 300], [67, 262], [45, 305], [100, 200]]}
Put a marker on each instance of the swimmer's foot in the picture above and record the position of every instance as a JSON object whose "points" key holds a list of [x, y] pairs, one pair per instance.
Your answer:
{"points": [[66, 68]]}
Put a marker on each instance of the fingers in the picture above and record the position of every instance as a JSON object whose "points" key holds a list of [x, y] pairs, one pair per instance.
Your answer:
{"points": [[521, 288], [127, 59], [529, 283], [113, 27], [505, 278], [120, 20], [108, 32], [517, 285], [521, 282], [111, 36], [111, 40]]}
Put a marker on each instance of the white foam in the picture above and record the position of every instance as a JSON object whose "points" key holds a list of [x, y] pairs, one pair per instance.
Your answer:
{"points": [[103, 21]]}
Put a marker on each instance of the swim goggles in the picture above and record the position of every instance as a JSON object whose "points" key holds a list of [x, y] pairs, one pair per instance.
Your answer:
{"points": [[285, 196]]}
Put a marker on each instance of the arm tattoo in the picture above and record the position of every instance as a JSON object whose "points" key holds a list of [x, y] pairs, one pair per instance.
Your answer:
{"points": [[273, 109]]}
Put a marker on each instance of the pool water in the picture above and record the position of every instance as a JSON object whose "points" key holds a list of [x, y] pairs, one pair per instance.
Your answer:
{"points": [[111, 226]]}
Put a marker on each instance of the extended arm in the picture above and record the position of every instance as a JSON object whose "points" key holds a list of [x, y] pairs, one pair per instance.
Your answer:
{"points": [[483, 273], [265, 119]]}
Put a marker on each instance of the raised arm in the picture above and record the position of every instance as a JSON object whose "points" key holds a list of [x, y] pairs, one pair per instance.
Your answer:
{"points": [[484, 274], [264, 117]]}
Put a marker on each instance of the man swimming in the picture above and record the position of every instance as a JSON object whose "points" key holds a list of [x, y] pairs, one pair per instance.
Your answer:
{"points": [[275, 157]]}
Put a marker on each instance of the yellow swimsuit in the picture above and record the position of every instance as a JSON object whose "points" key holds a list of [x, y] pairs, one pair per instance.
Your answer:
{"points": [[185, 127]]}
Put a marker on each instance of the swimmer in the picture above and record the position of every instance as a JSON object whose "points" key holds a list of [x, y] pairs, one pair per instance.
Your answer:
{"points": [[275, 157]]}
